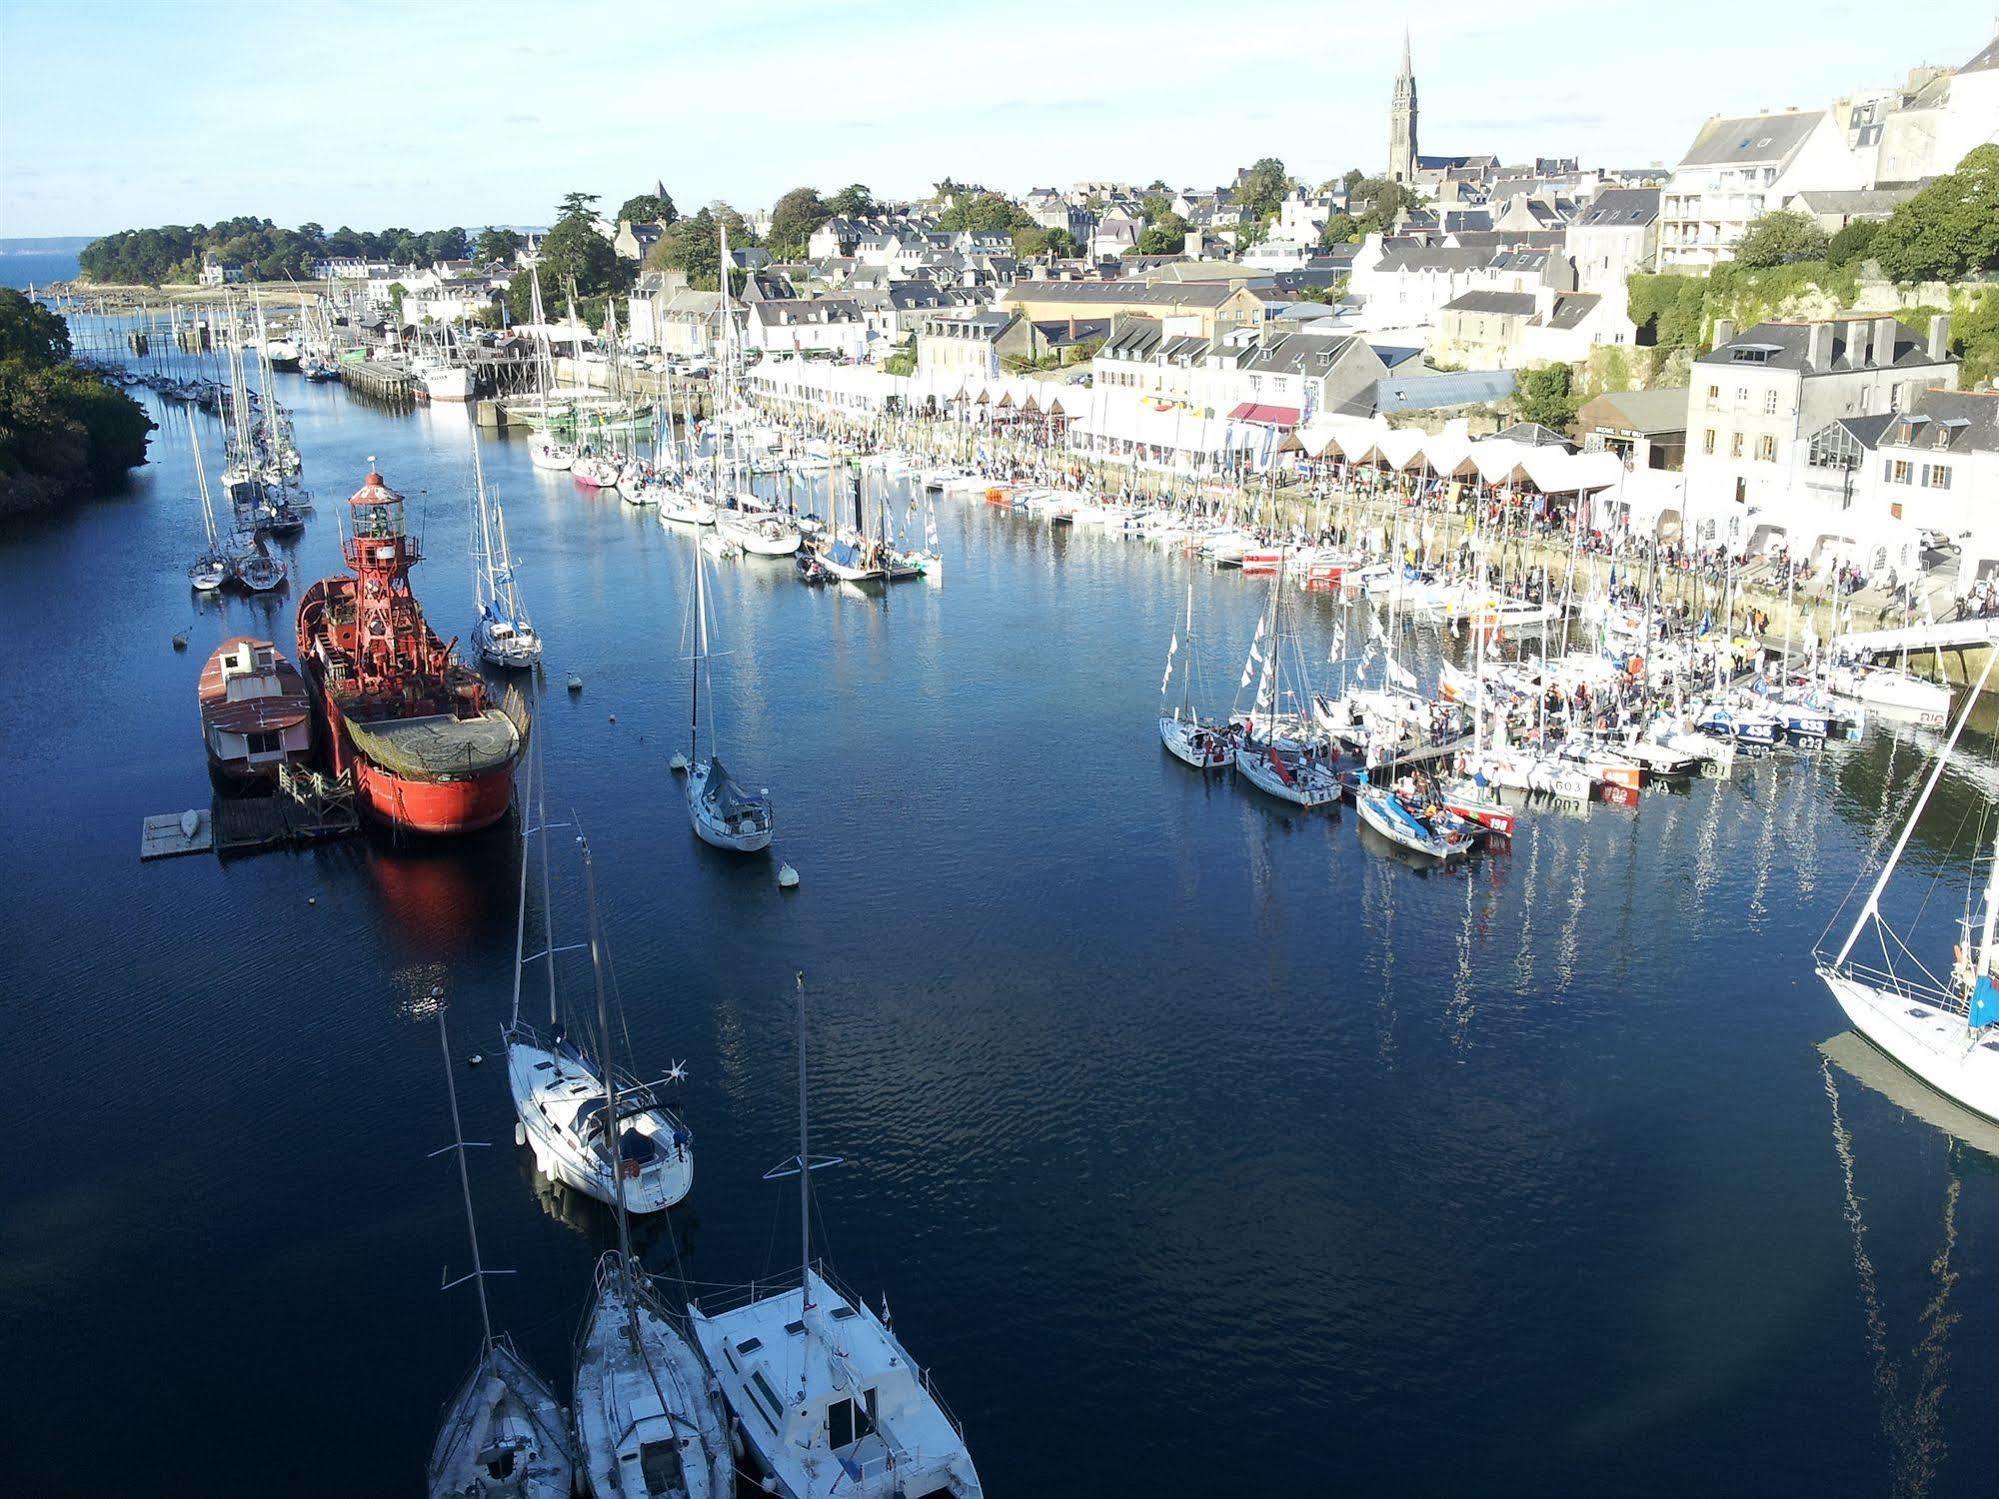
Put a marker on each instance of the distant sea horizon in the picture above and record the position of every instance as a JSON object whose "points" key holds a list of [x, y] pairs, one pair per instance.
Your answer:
{"points": [[40, 260]]}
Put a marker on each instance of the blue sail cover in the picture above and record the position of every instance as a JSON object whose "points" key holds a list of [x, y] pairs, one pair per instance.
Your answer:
{"points": [[845, 553], [1984, 1002]]}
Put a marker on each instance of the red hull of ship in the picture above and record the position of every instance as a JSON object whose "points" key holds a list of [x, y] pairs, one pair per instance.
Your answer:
{"points": [[435, 806]]}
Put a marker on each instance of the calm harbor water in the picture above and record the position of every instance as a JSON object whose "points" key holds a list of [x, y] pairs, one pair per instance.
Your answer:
{"points": [[1202, 1148]]}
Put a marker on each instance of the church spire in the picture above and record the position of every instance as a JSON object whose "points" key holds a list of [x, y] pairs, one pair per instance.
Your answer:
{"points": [[1402, 161]]}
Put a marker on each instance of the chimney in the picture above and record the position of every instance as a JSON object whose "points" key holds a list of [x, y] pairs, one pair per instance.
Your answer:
{"points": [[1724, 332], [1940, 337], [1854, 335], [1884, 342], [1818, 347]]}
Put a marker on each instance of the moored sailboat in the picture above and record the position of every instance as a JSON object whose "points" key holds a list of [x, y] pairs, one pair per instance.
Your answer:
{"points": [[1946, 1031], [504, 1435], [828, 1404], [723, 814]]}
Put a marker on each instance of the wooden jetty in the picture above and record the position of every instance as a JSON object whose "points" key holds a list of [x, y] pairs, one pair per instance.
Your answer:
{"points": [[379, 380], [305, 807]]}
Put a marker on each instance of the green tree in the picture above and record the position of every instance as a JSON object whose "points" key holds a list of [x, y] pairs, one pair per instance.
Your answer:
{"points": [[1062, 243], [1544, 395], [983, 213], [1262, 188], [792, 220], [853, 201], [576, 206], [397, 291], [1948, 231], [1850, 246], [1155, 205], [571, 252], [902, 361], [1167, 237], [1341, 229], [1354, 178], [1780, 239], [647, 208], [497, 244], [31, 333]]}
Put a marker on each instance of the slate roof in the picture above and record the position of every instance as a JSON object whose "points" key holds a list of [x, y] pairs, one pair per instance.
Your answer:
{"points": [[1788, 344], [1876, 202], [1497, 303], [1442, 391], [789, 314], [1063, 332], [1135, 293], [1621, 207], [1750, 138], [1968, 421], [1306, 352], [1571, 308]]}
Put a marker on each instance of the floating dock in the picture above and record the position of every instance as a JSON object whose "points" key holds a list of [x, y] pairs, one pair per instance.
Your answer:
{"points": [[306, 807]]}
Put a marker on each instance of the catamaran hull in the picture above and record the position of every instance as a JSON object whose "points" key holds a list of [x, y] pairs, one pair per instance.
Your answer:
{"points": [[1935, 1044]]}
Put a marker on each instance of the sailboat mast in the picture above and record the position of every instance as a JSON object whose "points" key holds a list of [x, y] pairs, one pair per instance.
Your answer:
{"points": [[464, 1178], [700, 658], [612, 1138], [1873, 906], [1187, 670], [547, 909], [521, 907], [804, 1168]]}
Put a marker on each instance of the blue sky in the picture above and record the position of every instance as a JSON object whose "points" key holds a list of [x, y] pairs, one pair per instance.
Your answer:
{"points": [[426, 114]]}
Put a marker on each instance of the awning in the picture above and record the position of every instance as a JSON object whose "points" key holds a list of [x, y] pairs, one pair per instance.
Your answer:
{"points": [[1269, 416]]}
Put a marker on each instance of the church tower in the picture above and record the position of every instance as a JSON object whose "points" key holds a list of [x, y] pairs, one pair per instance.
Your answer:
{"points": [[1402, 122]]}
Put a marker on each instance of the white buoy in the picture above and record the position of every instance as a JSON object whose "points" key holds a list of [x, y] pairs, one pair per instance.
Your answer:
{"points": [[474, 1060], [787, 877], [312, 900], [575, 684], [678, 764]]}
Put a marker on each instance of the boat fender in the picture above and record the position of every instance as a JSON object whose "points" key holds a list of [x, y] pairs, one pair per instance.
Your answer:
{"points": [[520, 1133]]}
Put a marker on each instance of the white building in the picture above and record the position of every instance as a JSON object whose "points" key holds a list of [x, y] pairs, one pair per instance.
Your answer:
{"points": [[833, 325], [1614, 234], [1871, 484], [1759, 398], [1740, 168]]}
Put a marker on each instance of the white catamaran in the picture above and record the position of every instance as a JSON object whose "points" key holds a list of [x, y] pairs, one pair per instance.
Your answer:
{"points": [[1944, 1030]]}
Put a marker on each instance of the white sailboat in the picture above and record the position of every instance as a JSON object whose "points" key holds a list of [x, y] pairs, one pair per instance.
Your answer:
{"points": [[505, 636], [1944, 1030], [1205, 746], [210, 570], [828, 1404], [1274, 755], [559, 1088], [504, 1435], [649, 1421], [544, 451], [723, 813]]}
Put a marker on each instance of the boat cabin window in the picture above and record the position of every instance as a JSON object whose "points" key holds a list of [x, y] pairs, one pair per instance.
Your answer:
{"points": [[846, 1424], [841, 1313], [749, 1345], [794, 1328], [659, 1462], [769, 1395], [263, 743]]}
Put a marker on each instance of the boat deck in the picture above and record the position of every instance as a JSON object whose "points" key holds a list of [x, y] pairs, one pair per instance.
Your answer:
{"points": [[439, 744]]}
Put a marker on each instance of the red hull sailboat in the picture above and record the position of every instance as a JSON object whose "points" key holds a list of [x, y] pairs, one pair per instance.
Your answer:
{"points": [[430, 753]]}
